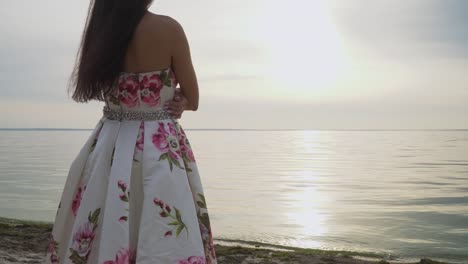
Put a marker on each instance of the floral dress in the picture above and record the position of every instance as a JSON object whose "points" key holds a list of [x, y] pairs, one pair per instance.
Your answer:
{"points": [[133, 193]]}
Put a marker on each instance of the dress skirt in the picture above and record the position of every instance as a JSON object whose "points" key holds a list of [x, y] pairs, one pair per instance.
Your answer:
{"points": [[133, 195]]}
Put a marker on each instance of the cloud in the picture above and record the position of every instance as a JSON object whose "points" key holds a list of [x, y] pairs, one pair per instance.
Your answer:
{"points": [[407, 29]]}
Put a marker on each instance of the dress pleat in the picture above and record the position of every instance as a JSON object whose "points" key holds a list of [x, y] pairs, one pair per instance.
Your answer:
{"points": [[172, 189], [65, 220], [89, 197], [117, 207]]}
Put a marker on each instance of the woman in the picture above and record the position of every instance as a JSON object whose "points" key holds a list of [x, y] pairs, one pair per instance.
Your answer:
{"points": [[133, 194]]}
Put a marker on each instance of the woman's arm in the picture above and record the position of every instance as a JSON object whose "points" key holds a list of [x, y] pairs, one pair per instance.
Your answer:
{"points": [[178, 105], [183, 68]]}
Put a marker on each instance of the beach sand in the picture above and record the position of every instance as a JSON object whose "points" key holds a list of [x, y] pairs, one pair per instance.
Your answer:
{"points": [[23, 241]]}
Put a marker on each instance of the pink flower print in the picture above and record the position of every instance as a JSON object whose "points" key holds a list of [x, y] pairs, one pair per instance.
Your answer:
{"points": [[124, 197], [124, 256], [165, 139], [54, 259], [173, 79], [207, 238], [194, 260], [140, 139], [204, 231], [160, 138], [172, 129], [150, 93], [52, 249], [160, 141], [211, 247], [189, 152], [182, 131], [158, 202], [173, 142], [77, 200], [83, 238], [186, 149], [122, 185], [174, 147], [174, 217], [163, 214], [162, 128], [128, 91]]}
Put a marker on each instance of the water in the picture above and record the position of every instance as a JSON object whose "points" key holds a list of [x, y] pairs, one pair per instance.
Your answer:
{"points": [[398, 192]]}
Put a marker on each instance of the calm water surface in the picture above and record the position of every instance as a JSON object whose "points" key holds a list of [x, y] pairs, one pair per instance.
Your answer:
{"points": [[399, 192]]}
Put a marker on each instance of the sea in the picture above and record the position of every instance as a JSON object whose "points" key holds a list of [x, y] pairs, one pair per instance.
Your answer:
{"points": [[400, 193]]}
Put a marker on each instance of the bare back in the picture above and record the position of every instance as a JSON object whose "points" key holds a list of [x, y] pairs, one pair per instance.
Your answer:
{"points": [[151, 47], [159, 43]]}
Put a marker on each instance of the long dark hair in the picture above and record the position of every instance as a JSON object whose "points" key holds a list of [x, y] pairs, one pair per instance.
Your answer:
{"points": [[109, 28]]}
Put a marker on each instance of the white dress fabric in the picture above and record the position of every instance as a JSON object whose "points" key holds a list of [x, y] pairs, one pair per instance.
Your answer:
{"points": [[133, 193]]}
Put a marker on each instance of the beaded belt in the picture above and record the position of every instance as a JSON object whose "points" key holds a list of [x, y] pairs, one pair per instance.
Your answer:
{"points": [[135, 115]]}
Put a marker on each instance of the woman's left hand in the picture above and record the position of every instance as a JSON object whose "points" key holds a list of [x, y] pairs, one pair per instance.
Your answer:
{"points": [[176, 106]]}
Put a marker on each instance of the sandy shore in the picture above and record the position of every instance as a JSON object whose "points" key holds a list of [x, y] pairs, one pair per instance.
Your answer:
{"points": [[26, 242]]}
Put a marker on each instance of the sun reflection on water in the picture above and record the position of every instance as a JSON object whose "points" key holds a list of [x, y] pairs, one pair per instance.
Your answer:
{"points": [[302, 200]]}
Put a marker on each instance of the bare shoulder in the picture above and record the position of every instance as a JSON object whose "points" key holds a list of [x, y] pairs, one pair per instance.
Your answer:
{"points": [[163, 23]]}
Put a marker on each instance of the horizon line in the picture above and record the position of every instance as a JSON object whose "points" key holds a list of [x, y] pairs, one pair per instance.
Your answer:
{"points": [[253, 129]]}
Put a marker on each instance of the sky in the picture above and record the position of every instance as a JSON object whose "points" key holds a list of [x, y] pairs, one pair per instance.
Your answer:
{"points": [[263, 64]]}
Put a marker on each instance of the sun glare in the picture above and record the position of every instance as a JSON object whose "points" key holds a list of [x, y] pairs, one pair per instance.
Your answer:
{"points": [[305, 54]]}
